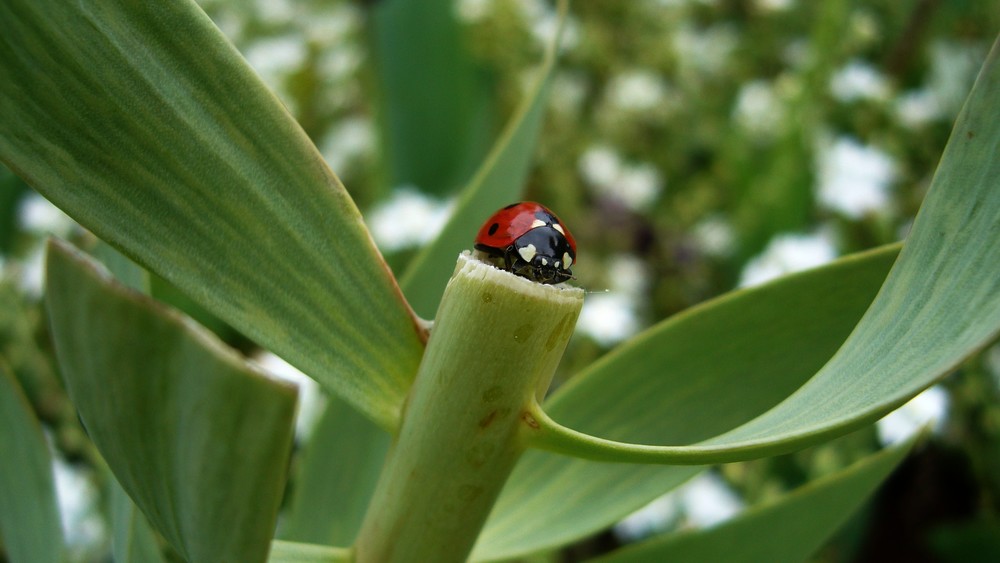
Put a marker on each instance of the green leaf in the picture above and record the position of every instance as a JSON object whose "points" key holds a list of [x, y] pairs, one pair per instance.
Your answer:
{"points": [[787, 530], [336, 478], [132, 539], [124, 270], [434, 106], [728, 360], [29, 518], [198, 439], [940, 304], [143, 123], [498, 182], [291, 552]]}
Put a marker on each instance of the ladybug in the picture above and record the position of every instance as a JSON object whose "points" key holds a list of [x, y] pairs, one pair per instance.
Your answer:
{"points": [[528, 240]]}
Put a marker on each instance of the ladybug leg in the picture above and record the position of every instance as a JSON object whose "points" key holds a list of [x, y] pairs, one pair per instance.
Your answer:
{"points": [[511, 259]]}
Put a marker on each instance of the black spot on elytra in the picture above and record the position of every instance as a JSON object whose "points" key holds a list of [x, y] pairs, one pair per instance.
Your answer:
{"points": [[493, 228]]}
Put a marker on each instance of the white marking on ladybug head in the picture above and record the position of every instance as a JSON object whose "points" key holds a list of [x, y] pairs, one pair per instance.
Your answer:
{"points": [[559, 228], [537, 223], [545, 262], [527, 252], [557, 264], [567, 259]]}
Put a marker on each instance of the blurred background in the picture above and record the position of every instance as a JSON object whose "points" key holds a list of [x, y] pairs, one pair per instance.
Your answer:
{"points": [[692, 147]]}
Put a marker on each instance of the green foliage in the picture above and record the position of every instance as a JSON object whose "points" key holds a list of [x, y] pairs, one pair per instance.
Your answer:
{"points": [[133, 539], [677, 384], [498, 182], [146, 126], [338, 469], [169, 406], [436, 109], [215, 188], [29, 519], [827, 501], [921, 306]]}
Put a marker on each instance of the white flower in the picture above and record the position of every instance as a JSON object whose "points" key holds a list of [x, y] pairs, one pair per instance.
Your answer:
{"points": [[918, 107], [786, 254], [340, 62], [600, 165], [638, 186], [708, 501], [759, 110], [653, 518], [705, 51], [37, 215], [608, 318], [408, 218], [311, 400], [953, 70], [634, 185], [714, 236], [30, 271], [568, 93], [274, 58], [637, 91], [351, 139], [854, 179], [275, 11], [78, 497], [773, 5], [628, 274], [704, 501], [332, 25], [471, 11], [859, 80], [926, 409]]}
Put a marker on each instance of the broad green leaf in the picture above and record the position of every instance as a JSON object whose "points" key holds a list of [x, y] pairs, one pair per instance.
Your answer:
{"points": [[434, 104], [125, 271], [291, 552], [940, 303], [132, 539], [198, 439], [336, 478], [12, 189], [143, 123], [29, 519], [498, 182], [728, 361], [789, 529]]}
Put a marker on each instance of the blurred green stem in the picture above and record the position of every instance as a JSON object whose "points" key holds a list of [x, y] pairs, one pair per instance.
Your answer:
{"points": [[496, 343]]}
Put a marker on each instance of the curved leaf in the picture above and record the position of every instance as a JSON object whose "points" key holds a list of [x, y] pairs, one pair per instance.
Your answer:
{"points": [[336, 478], [29, 518], [435, 110], [498, 182], [143, 123], [132, 539], [292, 552], [940, 303], [729, 361], [197, 439], [788, 530]]}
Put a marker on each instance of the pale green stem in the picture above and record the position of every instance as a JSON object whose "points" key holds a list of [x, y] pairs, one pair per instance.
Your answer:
{"points": [[496, 342]]}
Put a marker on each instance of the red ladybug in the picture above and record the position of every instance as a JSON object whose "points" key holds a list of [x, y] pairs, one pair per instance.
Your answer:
{"points": [[528, 240]]}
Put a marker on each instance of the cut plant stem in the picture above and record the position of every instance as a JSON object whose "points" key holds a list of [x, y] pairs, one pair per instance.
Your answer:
{"points": [[496, 342]]}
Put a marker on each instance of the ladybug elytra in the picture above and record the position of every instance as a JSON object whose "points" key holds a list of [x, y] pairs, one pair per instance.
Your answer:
{"points": [[528, 240]]}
